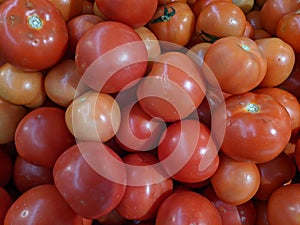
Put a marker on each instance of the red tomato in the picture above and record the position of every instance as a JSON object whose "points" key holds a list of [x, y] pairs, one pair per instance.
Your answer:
{"points": [[173, 88], [41, 205], [141, 202], [5, 203], [121, 60], [27, 175], [34, 34], [91, 178], [187, 207], [261, 212], [138, 131], [257, 127], [68, 8], [237, 63], [112, 218], [42, 135], [284, 205], [134, 13], [187, 151]]}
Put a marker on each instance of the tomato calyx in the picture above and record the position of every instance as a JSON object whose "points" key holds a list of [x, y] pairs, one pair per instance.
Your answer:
{"points": [[35, 22], [166, 16], [252, 108], [208, 37]]}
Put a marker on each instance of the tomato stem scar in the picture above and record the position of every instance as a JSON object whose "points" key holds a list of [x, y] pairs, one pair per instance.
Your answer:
{"points": [[166, 16], [252, 108], [35, 22]]}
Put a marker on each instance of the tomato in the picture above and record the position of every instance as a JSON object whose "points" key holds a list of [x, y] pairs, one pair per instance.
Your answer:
{"points": [[141, 202], [93, 116], [22, 87], [187, 151], [237, 63], [198, 51], [261, 33], [138, 131], [283, 205], [87, 7], [273, 10], [173, 24], [68, 8], [254, 19], [254, 118], [261, 212], [31, 29], [42, 135], [274, 174], [41, 205], [78, 25], [62, 83], [121, 60], [289, 102], [187, 207], [10, 116], [280, 60], [199, 5], [5, 202], [112, 218], [84, 175], [288, 29], [220, 19], [6, 167], [27, 175], [173, 88], [245, 5], [232, 214], [134, 13]]}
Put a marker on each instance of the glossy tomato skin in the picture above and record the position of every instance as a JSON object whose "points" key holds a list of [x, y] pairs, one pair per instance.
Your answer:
{"points": [[41, 205], [90, 193], [31, 29], [68, 8], [121, 60], [283, 205], [142, 202], [134, 13], [254, 118], [187, 207], [190, 141], [42, 135]]}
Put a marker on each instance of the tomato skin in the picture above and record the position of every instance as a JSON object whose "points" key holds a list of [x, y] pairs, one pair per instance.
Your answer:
{"points": [[90, 193], [28, 51], [254, 118], [43, 132], [283, 205], [178, 29], [237, 63], [41, 205], [187, 207], [134, 13], [5, 203], [121, 60], [68, 8]]}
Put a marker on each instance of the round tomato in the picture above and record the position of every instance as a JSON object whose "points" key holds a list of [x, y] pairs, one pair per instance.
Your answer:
{"points": [[41, 205], [187, 207], [134, 13], [237, 63], [34, 33], [42, 135], [68, 8], [91, 178], [5, 202], [257, 127]]}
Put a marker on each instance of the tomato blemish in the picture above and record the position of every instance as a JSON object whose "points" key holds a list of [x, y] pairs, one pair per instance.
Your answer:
{"points": [[35, 22], [252, 108]]}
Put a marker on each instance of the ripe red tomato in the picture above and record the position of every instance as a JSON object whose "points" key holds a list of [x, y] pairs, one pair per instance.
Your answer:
{"points": [[91, 178], [68, 8], [134, 13], [187, 207], [41, 205], [187, 151], [254, 118], [5, 203], [121, 60], [42, 135], [34, 34], [173, 88]]}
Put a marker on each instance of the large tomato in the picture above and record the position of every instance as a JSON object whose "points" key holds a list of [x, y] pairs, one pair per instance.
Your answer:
{"points": [[257, 127], [122, 59], [134, 13], [34, 34]]}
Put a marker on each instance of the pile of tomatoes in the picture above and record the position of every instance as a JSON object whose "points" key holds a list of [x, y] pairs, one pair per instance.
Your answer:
{"points": [[149, 112]]}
